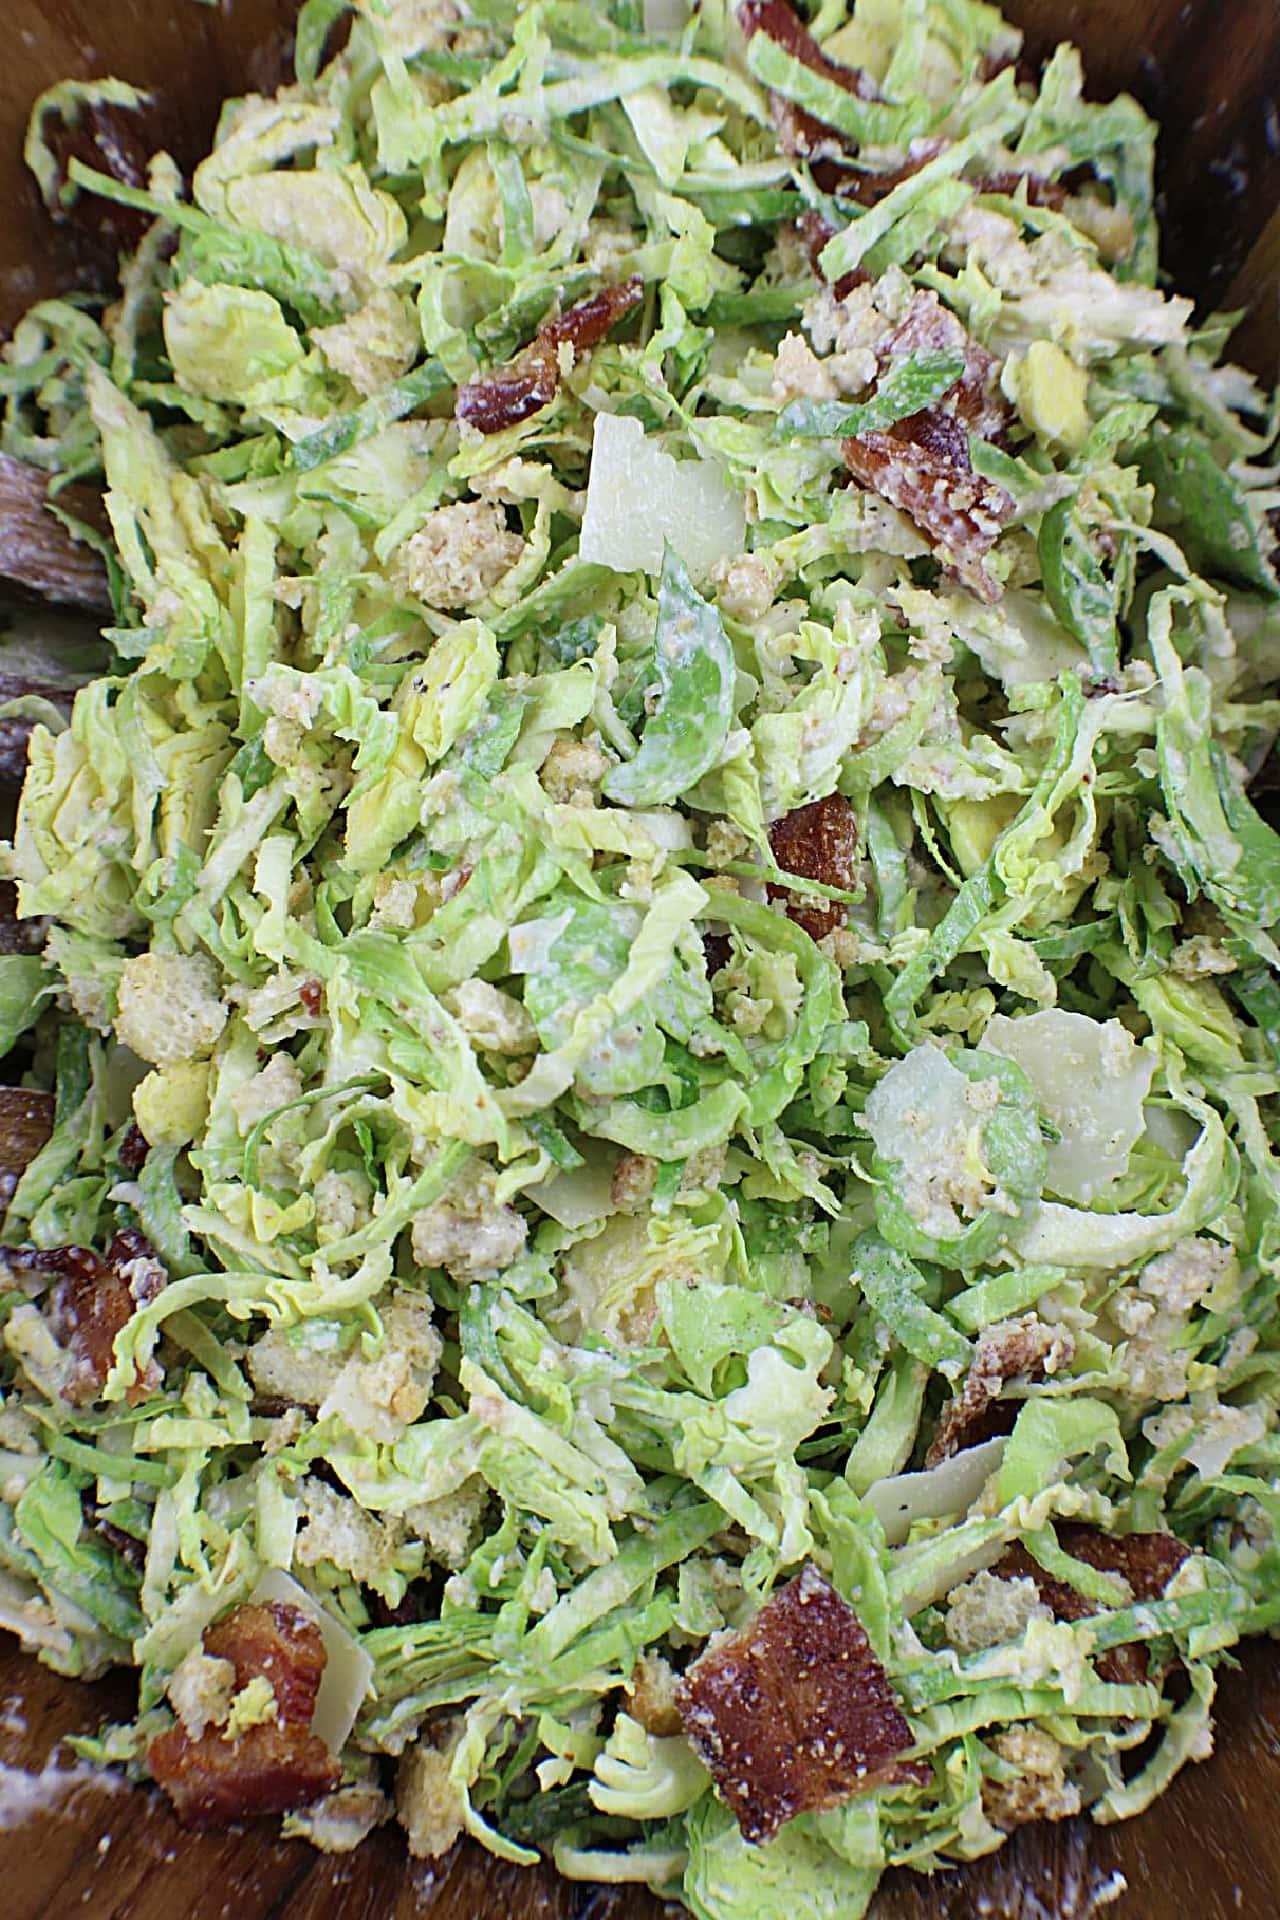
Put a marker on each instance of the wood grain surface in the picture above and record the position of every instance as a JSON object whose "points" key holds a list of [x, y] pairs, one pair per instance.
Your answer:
{"points": [[1210, 1850]]}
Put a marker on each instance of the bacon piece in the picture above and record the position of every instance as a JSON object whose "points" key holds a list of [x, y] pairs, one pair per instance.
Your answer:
{"points": [[716, 950], [131, 1550], [817, 842], [531, 381], [91, 1299], [864, 185], [795, 1713], [134, 1148], [1148, 1561], [1041, 192], [814, 234], [1025, 1348], [867, 186], [311, 994], [780, 22], [801, 134], [269, 1768], [929, 327], [921, 464]]}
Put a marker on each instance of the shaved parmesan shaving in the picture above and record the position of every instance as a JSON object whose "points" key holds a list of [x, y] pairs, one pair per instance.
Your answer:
{"points": [[638, 497], [949, 1488], [580, 1195], [665, 16], [1090, 1081]]}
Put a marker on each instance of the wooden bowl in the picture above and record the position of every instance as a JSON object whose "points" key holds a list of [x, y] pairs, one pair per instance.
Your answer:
{"points": [[1210, 1849]]}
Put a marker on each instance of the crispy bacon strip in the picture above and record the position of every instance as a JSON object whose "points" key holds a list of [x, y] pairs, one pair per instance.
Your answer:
{"points": [[1023, 1348], [274, 1766], [531, 381], [1041, 192], [817, 842], [795, 1713], [864, 185], [780, 22], [867, 187], [921, 465], [134, 1148], [802, 136], [92, 1297], [800, 133], [1148, 1561], [976, 399], [814, 234]]}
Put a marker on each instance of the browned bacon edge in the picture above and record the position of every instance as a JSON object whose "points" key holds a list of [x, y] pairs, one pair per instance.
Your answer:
{"points": [[837, 177], [795, 1713], [814, 234], [530, 382], [1148, 1561], [131, 1550], [1002, 1354], [803, 135], [92, 1297], [921, 465], [134, 1148], [781, 23], [269, 1768], [816, 842]]}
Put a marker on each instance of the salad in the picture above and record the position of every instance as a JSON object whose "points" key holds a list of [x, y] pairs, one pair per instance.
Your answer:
{"points": [[660, 1237]]}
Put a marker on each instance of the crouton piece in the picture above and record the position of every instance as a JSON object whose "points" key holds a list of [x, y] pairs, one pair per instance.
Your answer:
{"points": [[200, 1690], [468, 1231], [1039, 1791], [450, 1526], [337, 1529], [457, 556], [653, 1695], [428, 1805], [168, 1008], [989, 1612]]}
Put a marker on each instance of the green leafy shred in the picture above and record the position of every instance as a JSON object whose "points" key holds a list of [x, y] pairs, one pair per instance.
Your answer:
{"points": [[652, 1042]]}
